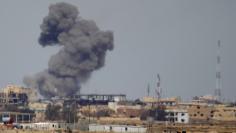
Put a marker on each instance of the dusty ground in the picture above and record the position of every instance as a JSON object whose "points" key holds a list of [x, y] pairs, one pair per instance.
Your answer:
{"points": [[29, 131], [152, 129], [32, 131]]}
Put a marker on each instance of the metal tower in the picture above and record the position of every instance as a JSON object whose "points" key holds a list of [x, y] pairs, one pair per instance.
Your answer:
{"points": [[218, 73], [148, 90], [158, 90]]}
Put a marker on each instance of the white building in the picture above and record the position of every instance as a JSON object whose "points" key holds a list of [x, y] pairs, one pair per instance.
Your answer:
{"points": [[48, 126], [117, 128], [115, 105], [177, 116], [101, 97]]}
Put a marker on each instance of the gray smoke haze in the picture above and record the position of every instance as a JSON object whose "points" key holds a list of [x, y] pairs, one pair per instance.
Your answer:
{"points": [[83, 50]]}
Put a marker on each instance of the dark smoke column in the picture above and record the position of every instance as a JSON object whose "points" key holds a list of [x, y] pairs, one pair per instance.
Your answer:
{"points": [[83, 50]]}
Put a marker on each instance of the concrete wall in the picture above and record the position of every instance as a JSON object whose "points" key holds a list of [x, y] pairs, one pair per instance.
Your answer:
{"points": [[117, 128], [224, 114], [49, 126], [200, 113], [182, 117]]}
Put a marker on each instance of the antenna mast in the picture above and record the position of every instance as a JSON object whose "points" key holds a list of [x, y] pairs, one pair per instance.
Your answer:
{"points": [[158, 90], [148, 90], [218, 73]]}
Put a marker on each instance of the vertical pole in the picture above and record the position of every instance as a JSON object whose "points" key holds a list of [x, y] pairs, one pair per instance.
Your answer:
{"points": [[69, 115], [29, 118], [218, 73], [16, 118], [74, 114], [89, 112], [23, 118]]}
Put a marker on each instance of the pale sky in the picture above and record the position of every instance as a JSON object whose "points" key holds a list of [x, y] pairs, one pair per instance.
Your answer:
{"points": [[176, 38]]}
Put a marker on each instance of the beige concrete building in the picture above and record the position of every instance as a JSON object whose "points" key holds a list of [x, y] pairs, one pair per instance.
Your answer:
{"points": [[208, 99], [222, 113], [39, 108], [204, 113], [200, 113], [172, 101], [31, 93], [115, 106], [13, 95]]}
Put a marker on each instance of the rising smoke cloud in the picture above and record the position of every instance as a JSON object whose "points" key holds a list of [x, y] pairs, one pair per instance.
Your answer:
{"points": [[83, 51]]}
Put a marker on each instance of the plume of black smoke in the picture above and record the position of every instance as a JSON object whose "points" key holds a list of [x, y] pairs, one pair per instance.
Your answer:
{"points": [[84, 47]]}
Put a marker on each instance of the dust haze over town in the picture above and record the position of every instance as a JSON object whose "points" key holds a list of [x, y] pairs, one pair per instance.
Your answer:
{"points": [[177, 39]]}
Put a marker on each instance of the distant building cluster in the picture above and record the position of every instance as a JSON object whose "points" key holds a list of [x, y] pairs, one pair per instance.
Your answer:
{"points": [[110, 112]]}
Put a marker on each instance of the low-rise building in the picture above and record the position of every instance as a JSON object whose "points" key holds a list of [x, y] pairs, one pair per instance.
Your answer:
{"points": [[13, 94], [129, 112], [39, 108], [116, 105], [164, 101], [12, 97], [117, 128], [200, 113], [177, 116], [208, 99], [18, 117], [100, 97], [223, 113], [49, 126], [126, 109]]}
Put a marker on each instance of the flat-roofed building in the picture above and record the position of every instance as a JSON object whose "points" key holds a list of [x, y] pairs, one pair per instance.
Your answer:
{"points": [[223, 113], [177, 116], [13, 94], [39, 108], [163, 101], [10, 95], [117, 128], [17, 117], [98, 99], [200, 113]]}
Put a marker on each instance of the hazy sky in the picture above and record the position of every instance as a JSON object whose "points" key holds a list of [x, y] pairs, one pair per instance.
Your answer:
{"points": [[176, 38]]}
